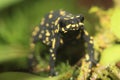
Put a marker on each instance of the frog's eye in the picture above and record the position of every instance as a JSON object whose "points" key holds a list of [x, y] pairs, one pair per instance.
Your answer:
{"points": [[62, 23], [80, 17]]}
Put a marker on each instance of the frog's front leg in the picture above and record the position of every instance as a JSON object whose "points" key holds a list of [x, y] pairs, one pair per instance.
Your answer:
{"points": [[53, 50], [89, 40]]}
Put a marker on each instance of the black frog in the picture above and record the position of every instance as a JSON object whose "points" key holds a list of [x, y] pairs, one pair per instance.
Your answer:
{"points": [[56, 29]]}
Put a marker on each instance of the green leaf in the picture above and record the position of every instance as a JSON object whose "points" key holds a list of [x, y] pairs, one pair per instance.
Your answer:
{"points": [[111, 55], [5, 3], [22, 76], [15, 27], [115, 23], [11, 52]]}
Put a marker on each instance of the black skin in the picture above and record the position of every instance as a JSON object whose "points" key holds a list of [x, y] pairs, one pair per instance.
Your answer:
{"points": [[54, 31]]}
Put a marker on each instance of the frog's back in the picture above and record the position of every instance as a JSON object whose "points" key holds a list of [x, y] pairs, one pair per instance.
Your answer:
{"points": [[52, 17], [46, 30]]}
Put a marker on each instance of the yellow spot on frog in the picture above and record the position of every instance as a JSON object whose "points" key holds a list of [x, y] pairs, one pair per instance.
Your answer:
{"points": [[37, 28], [68, 26], [51, 50], [72, 18], [47, 39], [40, 36], [56, 31], [42, 31], [34, 33], [47, 33], [81, 24], [42, 21], [47, 24], [50, 16], [73, 25], [76, 25], [64, 30], [56, 22], [61, 41], [62, 13], [53, 44], [44, 41], [66, 18], [52, 55], [86, 33]]}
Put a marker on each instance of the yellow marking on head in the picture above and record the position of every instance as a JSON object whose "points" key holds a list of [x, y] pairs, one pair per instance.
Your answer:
{"points": [[73, 25], [52, 54], [62, 13], [56, 22], [53, 43], [91, 41], [87, 57], [66, 18], [61, 41], [47, 24], [64, 30], [40, 36], [42, 21], [81, 24], [50, 16], [86, 33], [37, 28], [47, 33], [71, 17], [34, 33], [68, 26], [32, 45], [78, 37]]}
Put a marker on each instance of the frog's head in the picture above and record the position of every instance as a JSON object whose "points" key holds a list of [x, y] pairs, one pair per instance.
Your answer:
{"points": [[71, 23]]}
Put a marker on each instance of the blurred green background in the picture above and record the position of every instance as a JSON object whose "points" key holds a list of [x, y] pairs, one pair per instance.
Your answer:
{"points": [[18, 17]]}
